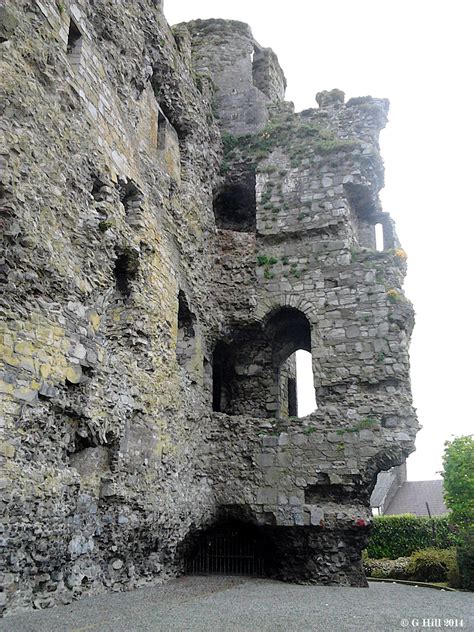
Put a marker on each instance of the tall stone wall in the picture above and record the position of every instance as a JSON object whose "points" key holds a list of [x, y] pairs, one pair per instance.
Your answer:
{"points": [[158, 277], [109, 152]]}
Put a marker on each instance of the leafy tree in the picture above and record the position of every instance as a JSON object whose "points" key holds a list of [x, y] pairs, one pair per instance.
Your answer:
{"points": [[458, 477]]}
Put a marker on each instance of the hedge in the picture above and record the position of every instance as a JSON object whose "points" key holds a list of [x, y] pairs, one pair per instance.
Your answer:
{"points": [[429, 565], [400, 536]]}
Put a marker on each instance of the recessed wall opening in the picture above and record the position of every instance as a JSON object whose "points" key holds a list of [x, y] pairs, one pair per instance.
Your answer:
{"points": [[185, 345], [162, 125], [306, 395], [364, 210], [74, 42], [290, 332], [379, 237], [292, 398], [222, 377], [99, 190], [174, 116], [230, 548], [125, 271], [130, 196], [235, 204], [260, 373], [324, 491], [83, 441]]}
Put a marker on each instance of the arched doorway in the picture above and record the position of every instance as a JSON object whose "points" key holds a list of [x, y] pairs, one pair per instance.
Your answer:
{"points": [[229, 548], [289, 331], [260, 372]]}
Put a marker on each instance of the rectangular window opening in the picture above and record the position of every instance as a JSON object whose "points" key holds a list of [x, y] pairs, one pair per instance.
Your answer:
{"points": [[379, 238]]}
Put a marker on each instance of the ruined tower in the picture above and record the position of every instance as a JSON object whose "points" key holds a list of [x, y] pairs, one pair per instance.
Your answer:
{"points": [[172, 234]]}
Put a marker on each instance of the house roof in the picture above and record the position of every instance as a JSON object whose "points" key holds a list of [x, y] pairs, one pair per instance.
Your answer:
{"points": [[412, 496]]}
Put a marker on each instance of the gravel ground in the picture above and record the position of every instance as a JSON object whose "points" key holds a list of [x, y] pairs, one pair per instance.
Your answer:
{"points": [[225, 604]]}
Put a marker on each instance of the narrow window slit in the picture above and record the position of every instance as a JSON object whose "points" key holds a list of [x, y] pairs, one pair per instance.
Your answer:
{"points": [[74, 43], [186, 343], [379, 237]]}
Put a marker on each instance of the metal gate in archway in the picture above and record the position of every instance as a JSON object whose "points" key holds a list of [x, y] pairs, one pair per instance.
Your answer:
{"points": [[228, 551]]}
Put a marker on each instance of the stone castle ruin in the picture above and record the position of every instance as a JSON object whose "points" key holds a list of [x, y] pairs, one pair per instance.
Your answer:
{"points": [[172, 233]]}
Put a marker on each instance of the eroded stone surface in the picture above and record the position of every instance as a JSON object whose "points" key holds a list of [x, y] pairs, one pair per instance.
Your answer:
{"points": [[158, 274]]}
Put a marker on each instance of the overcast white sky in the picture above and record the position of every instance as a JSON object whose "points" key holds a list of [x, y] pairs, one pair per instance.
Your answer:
{"points": [[419, 54]]}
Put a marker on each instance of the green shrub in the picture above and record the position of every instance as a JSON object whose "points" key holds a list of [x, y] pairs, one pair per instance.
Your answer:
{"points": [[400, 536], [433, 565], [465, 558], [387, 569]]}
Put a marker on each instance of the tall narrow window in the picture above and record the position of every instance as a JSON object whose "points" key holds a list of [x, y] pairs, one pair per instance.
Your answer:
{"points": [[379, 237], [292, 398], [222, 377], [306, 396], [74, 43], [186, 343], [290, 332], [162, 125]]}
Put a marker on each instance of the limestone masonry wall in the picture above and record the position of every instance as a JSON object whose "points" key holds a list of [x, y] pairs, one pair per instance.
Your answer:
{"points": [[172, 233]]}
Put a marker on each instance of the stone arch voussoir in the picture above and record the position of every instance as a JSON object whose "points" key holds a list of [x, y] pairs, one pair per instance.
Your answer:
{"points": [[271, 304]]}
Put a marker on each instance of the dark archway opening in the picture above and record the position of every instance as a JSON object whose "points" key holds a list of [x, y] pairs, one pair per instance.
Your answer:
{"points": [[260, 373], [230, 548], [290, 332], [235, 204]]}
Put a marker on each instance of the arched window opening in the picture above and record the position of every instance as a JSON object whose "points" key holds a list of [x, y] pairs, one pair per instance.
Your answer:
{"points": [[222, 377], [235, 204], [306, 395], [290, 333], [379, 237], [185, 344], [257, 373]]}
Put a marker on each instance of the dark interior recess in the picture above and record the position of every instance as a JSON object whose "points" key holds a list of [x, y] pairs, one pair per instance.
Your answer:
{"points": [[290, 331], [185, 316], [362, 200], [74, 37], [232, 548], [323, 493], [121, 275], [235, 204], [292, 398], [222, 377], [125, 270], [130, 195], [83, 442]]}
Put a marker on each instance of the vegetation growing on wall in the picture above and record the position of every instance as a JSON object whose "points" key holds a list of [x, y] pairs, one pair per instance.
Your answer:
{"points": [[287, 131]]}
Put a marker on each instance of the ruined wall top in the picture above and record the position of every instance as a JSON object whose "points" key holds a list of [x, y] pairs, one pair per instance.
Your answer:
{"points": [[247, 77]]}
